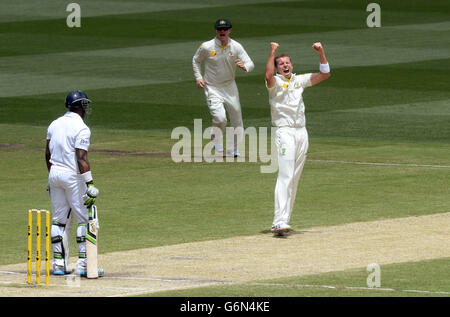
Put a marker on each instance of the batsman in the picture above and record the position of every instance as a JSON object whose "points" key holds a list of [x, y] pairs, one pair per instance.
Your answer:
{"points": [[70, 183]]}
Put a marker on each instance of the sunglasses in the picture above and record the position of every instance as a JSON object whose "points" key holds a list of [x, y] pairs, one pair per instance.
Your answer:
{"points": [[223, 29]]}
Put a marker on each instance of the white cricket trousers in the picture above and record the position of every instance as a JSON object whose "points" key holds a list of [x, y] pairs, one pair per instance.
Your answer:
{"points": [[66, 193], [221, 100], [292, 146]]}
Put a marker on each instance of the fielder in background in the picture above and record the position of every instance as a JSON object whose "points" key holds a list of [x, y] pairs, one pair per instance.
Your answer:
{"points": [[70, 183], [221, 56], [288, 116]]}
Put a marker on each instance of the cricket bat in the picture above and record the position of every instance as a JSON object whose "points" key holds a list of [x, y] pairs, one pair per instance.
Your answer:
{"points": [[91, 243]]}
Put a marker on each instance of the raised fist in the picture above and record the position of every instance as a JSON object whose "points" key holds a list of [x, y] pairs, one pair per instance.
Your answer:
{"points": [[274, 46], [317, 46]]}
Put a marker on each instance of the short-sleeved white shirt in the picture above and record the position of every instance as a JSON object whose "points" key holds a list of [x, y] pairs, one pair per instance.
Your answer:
{"points": [[67, 133], [219, 61], [286, 100]]}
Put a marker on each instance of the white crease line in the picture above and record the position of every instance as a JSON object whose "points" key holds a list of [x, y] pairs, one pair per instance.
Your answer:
{"points": [[349, 288], [171, 280], [381, 164], [130, 294], [428, 292], [12, 273], [160, 279], [163, 279], [142, 290]]}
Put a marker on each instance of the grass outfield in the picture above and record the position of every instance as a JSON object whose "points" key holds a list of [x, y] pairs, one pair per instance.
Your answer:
{"points": [[387, 106]]}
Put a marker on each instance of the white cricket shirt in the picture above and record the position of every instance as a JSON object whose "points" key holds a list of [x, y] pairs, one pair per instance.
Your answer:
{"points": [[66, 134], [219, 61], [286, 101]]}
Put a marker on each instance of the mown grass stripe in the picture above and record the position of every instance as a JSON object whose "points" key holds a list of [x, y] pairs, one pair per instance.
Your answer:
{"points": [[380, 163]]}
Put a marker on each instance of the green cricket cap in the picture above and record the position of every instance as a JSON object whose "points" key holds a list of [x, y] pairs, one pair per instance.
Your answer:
{"points": [[222, 24]]}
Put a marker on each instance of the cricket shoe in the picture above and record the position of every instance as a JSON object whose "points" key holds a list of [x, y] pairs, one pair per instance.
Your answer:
{"points": [[59, 270], [281, 228], [83, 272]]}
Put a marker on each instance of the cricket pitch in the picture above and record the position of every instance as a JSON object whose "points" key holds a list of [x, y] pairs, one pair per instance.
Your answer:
{"points": [[248, 258]]}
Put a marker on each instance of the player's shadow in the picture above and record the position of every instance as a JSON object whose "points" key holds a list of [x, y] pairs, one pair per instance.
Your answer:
{"points": [[284, 235]]}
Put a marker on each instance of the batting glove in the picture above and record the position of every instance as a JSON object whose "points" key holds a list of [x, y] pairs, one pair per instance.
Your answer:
{"points": [[90, 196]]}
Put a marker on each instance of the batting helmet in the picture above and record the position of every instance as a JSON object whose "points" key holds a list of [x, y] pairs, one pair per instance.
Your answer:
{"points": [[77, 98]]}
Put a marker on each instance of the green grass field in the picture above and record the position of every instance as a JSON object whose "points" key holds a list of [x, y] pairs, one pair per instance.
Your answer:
{"points": [[387, 105]]}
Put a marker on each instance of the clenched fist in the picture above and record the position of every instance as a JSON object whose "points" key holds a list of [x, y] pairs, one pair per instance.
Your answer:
{"points": [[317, 47], [274, 46]]}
